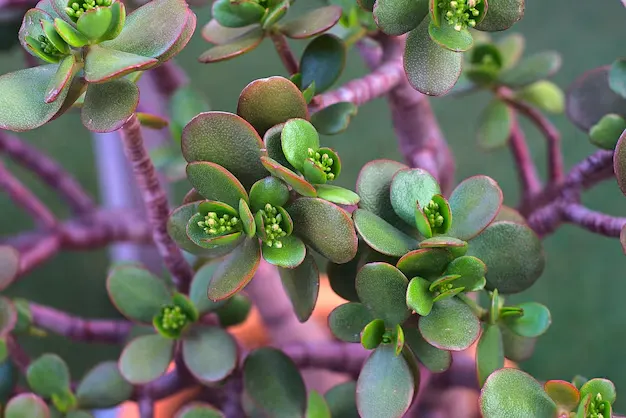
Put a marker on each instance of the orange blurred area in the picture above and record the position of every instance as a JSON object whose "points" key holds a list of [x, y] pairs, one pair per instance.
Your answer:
{"points": [[252, 334]]}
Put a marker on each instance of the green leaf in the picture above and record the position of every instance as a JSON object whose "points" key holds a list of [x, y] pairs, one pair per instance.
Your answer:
{"points": [[509, 214], [322, 62], [269, 101], [245, 43], [449, 38], [158, 29], [236, 270], [70, 34], [247, 219], [214, 182], [607, 131], [215, 367], [103, 387], [225, 139], [32, 27], [218, 245], [290, 255], [494, 126], [397, 17], [341, 400], [617, 77], [451, 325], [544, 95], [95, 23], [236, 15], [334, 119], [563, 393], [274, 13], [235, 311], [302, 285], [372, 334], [198, 410], [489, 353], [274, 145], [53, 36], [300, 185], [118, 21], [316, 406], [23, 112], [472, 272], [26, 405], [512, 392], [325, 227], [534, 322], [102, 64], [434, 359], [9, 265], [146, 358], [48, 375], [513, 254], [183, 106], [137, 293], [475, 203], [348, 320], [110, 105], [502, 14], [77, 413], [268, 190], [297, 137], [336, 194], [425, 262], [511, 49], [419, 298], [516, 348], [603, 387], [342, 277], [534, 68], [313, 23], [386, 385], [382, 289], [274, 383], [456, 246], [431, 69], [199, 286], [382, 236], [411, 186]]}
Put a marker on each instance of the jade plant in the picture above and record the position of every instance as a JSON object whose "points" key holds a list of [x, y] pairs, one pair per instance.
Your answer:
{"points": [[424, 264]]}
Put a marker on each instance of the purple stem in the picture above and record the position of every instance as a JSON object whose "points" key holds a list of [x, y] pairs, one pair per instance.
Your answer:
{"points": [[529, 179]]}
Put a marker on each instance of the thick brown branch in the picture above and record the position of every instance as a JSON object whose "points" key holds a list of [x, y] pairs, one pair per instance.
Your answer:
{"points": [[285, 53], [155, 202], [48, 171]]}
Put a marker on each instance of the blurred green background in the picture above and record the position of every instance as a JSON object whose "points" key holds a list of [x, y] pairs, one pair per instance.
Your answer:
{"points": [[582, 284]]}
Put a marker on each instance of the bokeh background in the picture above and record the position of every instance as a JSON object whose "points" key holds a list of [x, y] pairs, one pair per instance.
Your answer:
{"points": [[583, 283]]}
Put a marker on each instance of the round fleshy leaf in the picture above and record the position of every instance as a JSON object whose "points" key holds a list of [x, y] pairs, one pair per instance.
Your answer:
{"points": [[382, 288], [269, 101], [70, 34], [431, 69], [534, 68], [137, 293], [94, 23], [474, 204], [103, 387], [158, 29], [502, 15], [336, 194], [268, 190], [411, 186], [489, 353], [53, 36], [511, 48], [247, 219], [289, 256], [341, 400], [9, 265], [302, 285], [216, 183], [617, 77], [535, 321], [102, 64], [453, 244], [451, 325], [472, 272], [274, 13], [590, 98], [274, 383], [544, 95], [316, 406], [22, 112], [298, 136], [199, 286], [198, 410], [514, 393], [236, 270], [382, 236], [348, 320], [313, 23], [322, 62], [235, 311], [424, 262], [495, 124], [237, 15], [604, 387], [217, 34], [225, 139], [146, 358], [334, 119], [110, 105], [32, 27], [434, 359], [341, 278], [325, 227], [372, 334], [386, 385], [397, 17], [450, 38], [563, 393], [418, 296], [48, 375], [513, 255], [26, 405], [607, 131], [238, 46], [274, 146], [517, 348], [215, 367]]}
